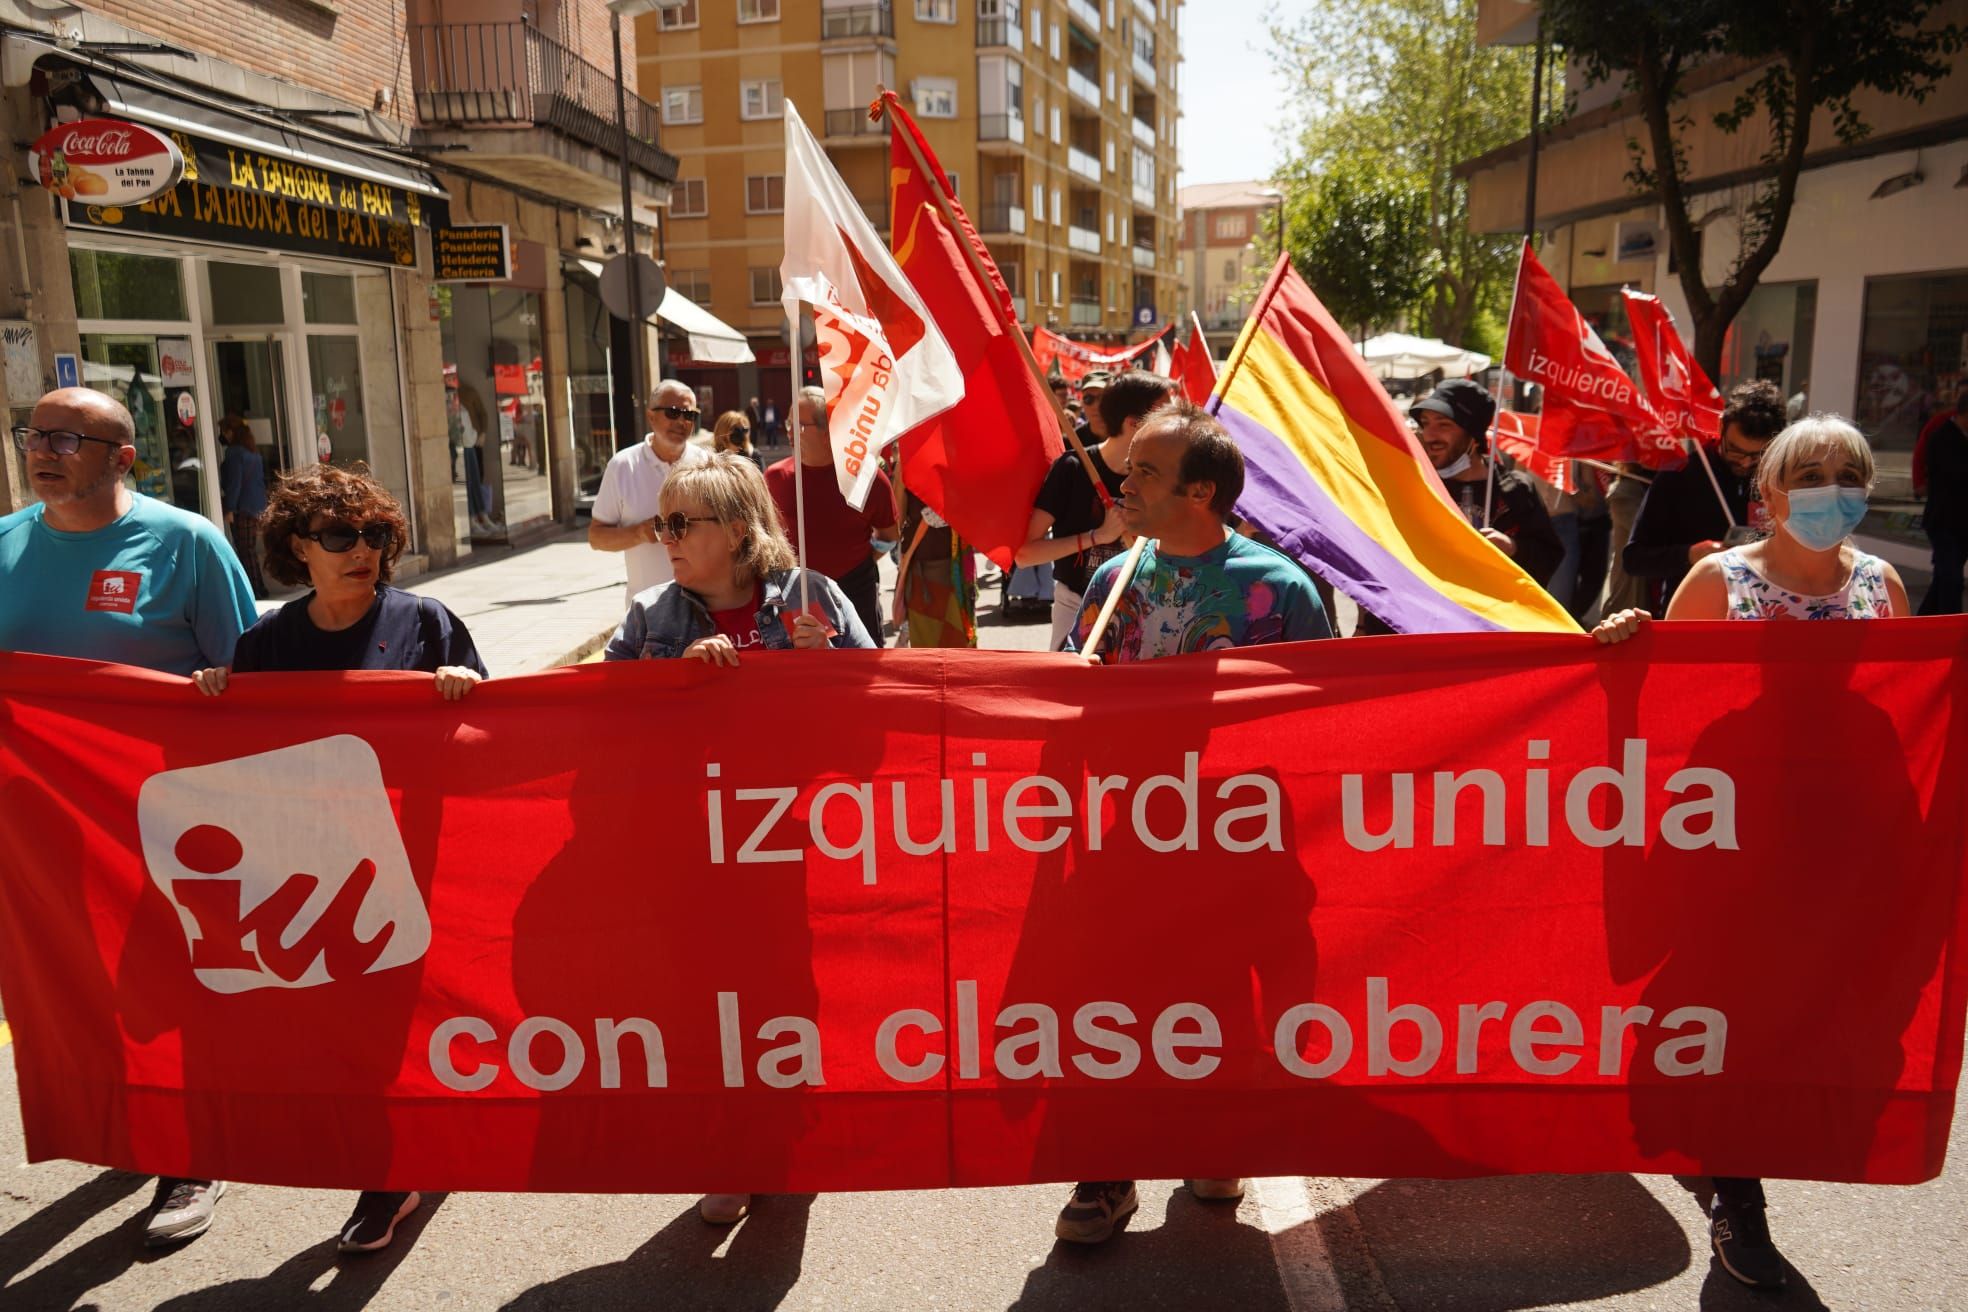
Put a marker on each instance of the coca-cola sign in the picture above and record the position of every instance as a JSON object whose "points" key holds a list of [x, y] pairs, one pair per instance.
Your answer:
{"points": [[105, 161]]}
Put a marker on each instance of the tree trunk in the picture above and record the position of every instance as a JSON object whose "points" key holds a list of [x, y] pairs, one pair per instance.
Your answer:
{"points": [[1711, 330]]}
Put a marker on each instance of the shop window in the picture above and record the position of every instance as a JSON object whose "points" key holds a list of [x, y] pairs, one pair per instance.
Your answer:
{"points": [[112, 285], [496, 401], [246, 293], [692, 285], [1911, 354], [153, 376], [327, 297], [765, 193], [1771, 337], [765, 286], [683, 105], [758, 11], [688, 199], [760, 99]]}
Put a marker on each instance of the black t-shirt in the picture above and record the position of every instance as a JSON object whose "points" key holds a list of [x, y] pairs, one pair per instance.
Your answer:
{"points": [[1067, 495], [402, 631]]}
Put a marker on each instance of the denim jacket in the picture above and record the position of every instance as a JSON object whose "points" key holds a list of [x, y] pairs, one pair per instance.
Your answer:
{"points": [[668, 618]]}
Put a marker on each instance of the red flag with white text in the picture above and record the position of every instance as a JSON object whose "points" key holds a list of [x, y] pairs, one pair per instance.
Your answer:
{"points": [[1682, 395]]}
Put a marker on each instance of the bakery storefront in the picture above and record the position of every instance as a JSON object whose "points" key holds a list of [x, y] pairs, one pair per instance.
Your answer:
{"points": [[260, 294]]}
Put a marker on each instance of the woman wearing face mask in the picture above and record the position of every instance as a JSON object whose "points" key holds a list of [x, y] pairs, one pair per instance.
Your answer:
{"points": [[1814, 477]]}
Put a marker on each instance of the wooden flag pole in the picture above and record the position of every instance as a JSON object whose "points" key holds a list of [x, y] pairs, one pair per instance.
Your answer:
{"points": [[1017, 334], [1702, 455], [1123, 580]]}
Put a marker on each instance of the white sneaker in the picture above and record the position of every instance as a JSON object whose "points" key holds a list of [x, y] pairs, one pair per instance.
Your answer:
{"points": [[724, 1209], [1217, 1191]]}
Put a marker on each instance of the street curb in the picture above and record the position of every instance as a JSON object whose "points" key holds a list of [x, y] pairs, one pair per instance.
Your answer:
{"points": [[580, 652]]}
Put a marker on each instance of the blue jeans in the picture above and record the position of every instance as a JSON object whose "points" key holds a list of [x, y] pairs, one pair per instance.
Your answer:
{"points": [[477, 501]]}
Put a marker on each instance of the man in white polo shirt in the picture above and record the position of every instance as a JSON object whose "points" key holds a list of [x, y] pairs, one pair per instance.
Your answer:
{"points": [[625, 508]]}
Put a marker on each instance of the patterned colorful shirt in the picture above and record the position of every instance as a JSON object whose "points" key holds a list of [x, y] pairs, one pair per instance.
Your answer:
{"points": [[1240, 594], [1753, 597]]}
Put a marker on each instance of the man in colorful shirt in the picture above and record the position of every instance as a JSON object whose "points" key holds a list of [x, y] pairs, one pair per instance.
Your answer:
{"points": [[1199, 587]]}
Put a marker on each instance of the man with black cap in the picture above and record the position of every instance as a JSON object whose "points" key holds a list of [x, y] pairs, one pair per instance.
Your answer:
{"points": [[1454, 420]]}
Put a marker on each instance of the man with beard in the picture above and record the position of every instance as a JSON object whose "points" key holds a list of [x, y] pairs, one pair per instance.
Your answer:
{"points": [[103, 573]]}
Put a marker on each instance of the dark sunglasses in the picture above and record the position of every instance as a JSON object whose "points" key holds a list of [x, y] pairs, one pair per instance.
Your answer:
{"points": [[675, 526], [61, 441], [341, 537], [739, 430], [675, 412]]}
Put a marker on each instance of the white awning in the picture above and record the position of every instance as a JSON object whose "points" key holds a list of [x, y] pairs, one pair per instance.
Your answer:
{"points": [[1398, 355], [711, 338]]}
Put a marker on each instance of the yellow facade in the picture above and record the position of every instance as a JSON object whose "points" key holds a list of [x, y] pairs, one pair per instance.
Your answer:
{"points": [[1057, 117]]}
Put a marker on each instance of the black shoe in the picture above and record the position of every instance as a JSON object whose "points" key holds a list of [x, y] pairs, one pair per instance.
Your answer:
{"points": [[1741, 1238], [1097, 1206], [373, 1222]]}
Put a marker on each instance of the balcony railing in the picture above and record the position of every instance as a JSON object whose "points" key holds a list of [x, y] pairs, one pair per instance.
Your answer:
{"points": [[1002, 219], [1087, 12], [1084, 240], [1144, 196], [1082, 165], [1001, 127], [854, 123], [1144, 68], [1144, 133], [1084, 312], [1144, 257], [512, 73], [1083, 87], [857, 20], [1001, 31]]}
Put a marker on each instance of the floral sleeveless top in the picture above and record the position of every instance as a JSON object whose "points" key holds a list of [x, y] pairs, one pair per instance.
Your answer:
{"points": [[1753, 597]]}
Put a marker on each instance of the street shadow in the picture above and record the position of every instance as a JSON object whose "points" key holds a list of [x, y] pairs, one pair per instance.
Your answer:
{"points": [[357, 1277], [681, 1266], [1500, 1243], [1722, 1292], [1200, 1256], [65, 1280], [44, 1231]]}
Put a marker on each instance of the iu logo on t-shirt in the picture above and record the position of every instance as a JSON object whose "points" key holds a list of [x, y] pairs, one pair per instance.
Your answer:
{"points": [[114, 590]]}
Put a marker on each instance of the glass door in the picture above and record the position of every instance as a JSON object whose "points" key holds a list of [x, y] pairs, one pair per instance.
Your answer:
{"points": [[249, 387]]}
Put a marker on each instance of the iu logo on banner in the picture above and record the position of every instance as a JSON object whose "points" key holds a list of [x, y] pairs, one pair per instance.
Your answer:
{"points": [[286, 867]]}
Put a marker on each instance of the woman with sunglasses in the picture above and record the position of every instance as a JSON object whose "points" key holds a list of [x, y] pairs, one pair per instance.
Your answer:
{"points": [[340, 532], [734, 434], [737, 587]]}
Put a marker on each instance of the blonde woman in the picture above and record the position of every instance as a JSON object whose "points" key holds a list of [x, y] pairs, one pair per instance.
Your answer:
{"points": [[734, 434]]}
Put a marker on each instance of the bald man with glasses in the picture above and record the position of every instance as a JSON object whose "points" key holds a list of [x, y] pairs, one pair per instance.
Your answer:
{"points": [[624, 516]]}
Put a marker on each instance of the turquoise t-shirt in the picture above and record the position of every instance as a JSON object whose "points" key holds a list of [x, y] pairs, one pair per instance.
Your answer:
{"points": [[158, 588], [1240, 594]]}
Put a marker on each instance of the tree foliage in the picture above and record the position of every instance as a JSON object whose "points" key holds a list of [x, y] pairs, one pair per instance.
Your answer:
{"points": [[1800, 56], [1400, 89], [1359, 238]]}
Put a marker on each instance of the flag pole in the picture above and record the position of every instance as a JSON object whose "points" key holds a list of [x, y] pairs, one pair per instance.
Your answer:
{"points": [[1123, 580], [1503, 379], [793, 360], [1713, 482], [936, 188]]}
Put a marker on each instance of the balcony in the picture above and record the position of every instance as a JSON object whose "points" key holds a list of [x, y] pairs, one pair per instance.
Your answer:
{"points": [[1144, 256], [857, 21], [1082, 165], [1084, 312], [1086, 13], [1083, 88], [1001, 33], [846, 124], [1144, 69], [525, 109], [1005, 129], [1146, 9], [1144, 196], [1144, 133], [1002, 219], [1084, 240]]}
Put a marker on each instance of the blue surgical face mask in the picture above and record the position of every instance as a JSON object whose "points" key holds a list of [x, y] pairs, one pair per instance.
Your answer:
{"points": [[1822, 517]]}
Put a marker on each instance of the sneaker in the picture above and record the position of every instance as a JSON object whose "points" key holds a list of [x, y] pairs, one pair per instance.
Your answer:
{"points": [[373, 1222], [1097, 1207], [1217, 1191], [1741, 1238], [724, 1209], [181, 1210]]}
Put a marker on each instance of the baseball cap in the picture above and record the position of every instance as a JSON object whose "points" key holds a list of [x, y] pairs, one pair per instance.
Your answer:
{"points": [[1465, 401]]}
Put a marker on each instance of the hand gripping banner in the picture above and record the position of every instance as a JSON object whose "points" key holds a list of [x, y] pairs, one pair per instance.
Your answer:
{"points": [[1424, 906]]}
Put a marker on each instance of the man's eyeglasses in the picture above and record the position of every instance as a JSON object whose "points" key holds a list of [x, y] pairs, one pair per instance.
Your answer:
{"points": [[675, 526], [675, 412], [61, 441], [342, 537]]}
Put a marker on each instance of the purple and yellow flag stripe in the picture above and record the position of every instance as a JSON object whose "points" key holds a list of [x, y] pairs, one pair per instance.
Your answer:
{"points": [[1334, 477]]}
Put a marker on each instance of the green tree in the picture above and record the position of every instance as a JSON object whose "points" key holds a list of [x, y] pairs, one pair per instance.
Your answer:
{"points": [[1359, 237], [1400, 87], [1802, 55]]}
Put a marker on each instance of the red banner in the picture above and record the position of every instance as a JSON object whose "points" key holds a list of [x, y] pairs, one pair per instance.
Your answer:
{"points": [[1690, 904], [1075, 360]]}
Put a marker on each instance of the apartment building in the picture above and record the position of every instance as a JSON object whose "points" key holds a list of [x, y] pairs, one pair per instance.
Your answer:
{"points": [[1221, 259], [289, 283], [1056, 120], [1865, 309]]}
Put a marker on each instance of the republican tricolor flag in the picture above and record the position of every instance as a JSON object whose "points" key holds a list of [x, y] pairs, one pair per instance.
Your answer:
{"points": [[883, 363]]}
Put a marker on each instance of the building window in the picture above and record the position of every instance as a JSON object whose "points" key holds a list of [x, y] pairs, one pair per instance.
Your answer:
{"points": [[758, 11], [936, 11], [1038, 202], [935, 97], [683, 104], [1229, 271], [1055, 125], [760, 99], [1233, 227], [687, 199], [765, 193], [1057, 209], [676, 20], [1038, 31], [1913, 359], [765, 286], [1055, 287], [692, 285]]}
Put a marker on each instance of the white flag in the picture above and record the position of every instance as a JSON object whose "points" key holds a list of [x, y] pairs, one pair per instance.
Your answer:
{"points": [[884, 365]]}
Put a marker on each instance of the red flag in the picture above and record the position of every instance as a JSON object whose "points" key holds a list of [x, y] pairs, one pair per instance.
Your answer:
{"points": [[1516, 435], [1193, 368], [980, 463], [1681, 393]]}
